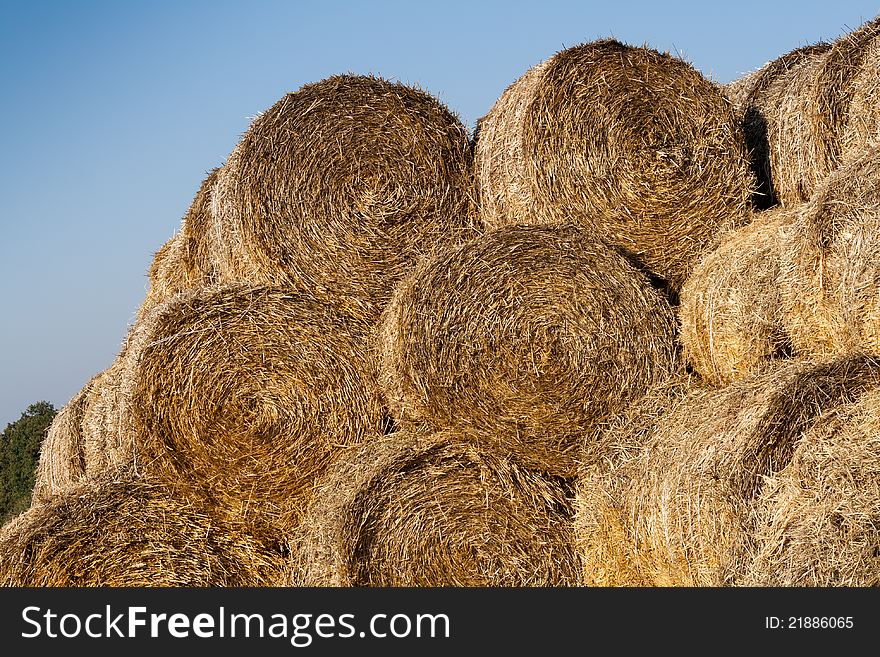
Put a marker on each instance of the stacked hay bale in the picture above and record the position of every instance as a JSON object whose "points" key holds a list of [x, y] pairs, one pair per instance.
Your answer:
{"points": [[819, 515], [129, 531], [62, 456], [809, 111], [830, 276], [247, 394], [774, 104], [501, 160], [242, 395], [340, 187], [814, 276], [436, 509], [89, 435], [108, 441], [528, 337], [544, 431], [498, 358], [198, 231], [847, 74], [681, 487], [636, 145], [604, 535], [731, 310]]}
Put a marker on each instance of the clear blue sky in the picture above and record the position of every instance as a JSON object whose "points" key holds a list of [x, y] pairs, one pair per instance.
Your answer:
{"points": [[113, 112]]}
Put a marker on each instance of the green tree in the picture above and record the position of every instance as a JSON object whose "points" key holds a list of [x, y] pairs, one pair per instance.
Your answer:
{"points": [[19, 454]]}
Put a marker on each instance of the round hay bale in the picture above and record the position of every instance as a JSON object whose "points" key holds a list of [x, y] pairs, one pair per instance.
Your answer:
{"points": [[634, 144], [248, 393], [422, 509], [862, 129], [132, 532], [529, 335], [731, 304], [62, 455], [501, 167], [189, 258], [169, 273], [108, 439], [773, 104], [340, 187], [739, 89], [831, 278], [603, 532], [200, 240], [819, 516], [842, 75], [780, 127], [689, 497]]}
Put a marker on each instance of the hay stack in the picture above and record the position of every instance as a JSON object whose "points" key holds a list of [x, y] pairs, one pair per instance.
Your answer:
{"points": [[731, 304], [636, 145], [62, 455], [831, 276], [528, 335], [132, 532], [686, 496], [775, 105], [248, 393], [340, 187], [820, 520], [92, 435], [421, 509]]}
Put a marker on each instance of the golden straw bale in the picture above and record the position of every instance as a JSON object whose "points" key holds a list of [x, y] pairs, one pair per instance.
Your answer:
{"points": [[787, 107], [200, 241], [502, 168], [168, 273], [603, 534], [127, 531], [687, 497], [340, 187], [731, 304], [809, 111], [529, 335], [819, 521], [774, 103], [636, 145], [108, 439], [830, 274], [62, 455], [422, 509], [842, 76], [248, 393], [862, 128]]}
